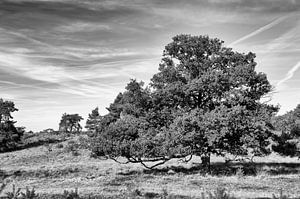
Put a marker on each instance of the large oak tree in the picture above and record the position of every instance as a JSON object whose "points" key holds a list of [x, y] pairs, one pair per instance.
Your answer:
{"points": [[205, 99]]}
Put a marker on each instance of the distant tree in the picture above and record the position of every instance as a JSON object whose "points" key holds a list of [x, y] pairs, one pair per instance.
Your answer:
{"points": [[29, 132], [206, 99], [287, 139], [93, 121], [69, 123], [49, 130], [10, 136]]}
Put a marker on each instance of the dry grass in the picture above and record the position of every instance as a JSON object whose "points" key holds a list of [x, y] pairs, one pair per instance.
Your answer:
{"points": [[54, 171]]}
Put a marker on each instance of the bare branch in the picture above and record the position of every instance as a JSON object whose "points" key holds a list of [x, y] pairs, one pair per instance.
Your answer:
{"points": [[153, 166], [114, 159], [186, 160]]}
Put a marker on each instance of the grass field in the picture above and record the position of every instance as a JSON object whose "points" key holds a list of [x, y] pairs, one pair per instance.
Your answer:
{"points": [[56, 170]]}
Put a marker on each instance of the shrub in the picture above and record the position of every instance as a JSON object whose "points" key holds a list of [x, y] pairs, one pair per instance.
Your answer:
{"points": [[29, 194], [219, 193], [71, 194], [2, 187], [281, 196], [240, 172], [59, 146], [41, 138], [72, 147], [14, 194]]}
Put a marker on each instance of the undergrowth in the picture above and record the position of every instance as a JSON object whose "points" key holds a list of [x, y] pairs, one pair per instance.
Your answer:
{"points": [[219, 193]]}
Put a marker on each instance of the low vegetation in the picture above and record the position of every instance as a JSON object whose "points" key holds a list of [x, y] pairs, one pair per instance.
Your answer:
{"points": [[219, 193]]}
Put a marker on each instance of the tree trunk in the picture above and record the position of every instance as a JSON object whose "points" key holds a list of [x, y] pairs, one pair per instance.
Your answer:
{"points": [[205, 161]]}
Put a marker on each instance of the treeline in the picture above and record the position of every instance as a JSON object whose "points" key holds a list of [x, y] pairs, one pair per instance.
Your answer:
{"points": [[16, 138], [206, 99]]}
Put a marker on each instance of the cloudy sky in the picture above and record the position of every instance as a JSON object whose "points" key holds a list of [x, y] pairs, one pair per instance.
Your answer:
{"points": [[70, 56]]}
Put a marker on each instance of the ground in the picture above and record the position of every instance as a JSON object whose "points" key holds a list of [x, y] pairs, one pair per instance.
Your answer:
{"points": [[57, 170]]}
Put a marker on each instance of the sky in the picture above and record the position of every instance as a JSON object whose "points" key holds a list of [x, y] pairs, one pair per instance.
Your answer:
{"points": [[71, 56]]}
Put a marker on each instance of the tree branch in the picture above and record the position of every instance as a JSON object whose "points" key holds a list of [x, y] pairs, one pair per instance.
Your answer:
{"points": [[187, 160], [153, 166]]}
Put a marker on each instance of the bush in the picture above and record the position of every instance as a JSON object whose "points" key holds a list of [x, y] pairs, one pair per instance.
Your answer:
{"points": [[281, 196], [59, 146], [42, 138], [219, 193], [240, 172], [71, 194], [2, 187], [14, 194], [73, 148], [29, 194]]}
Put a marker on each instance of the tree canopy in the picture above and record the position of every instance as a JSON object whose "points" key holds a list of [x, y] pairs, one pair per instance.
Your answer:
{"points": [[205, 99], [69, 123], [93, 121], [9, 134], [287, 139]]}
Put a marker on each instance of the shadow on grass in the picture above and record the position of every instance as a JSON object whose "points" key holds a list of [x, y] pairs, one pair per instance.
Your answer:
{"points": [[228, 169]]}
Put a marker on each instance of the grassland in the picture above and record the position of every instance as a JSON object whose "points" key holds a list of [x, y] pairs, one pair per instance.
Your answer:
{"points": [[52, 171]]}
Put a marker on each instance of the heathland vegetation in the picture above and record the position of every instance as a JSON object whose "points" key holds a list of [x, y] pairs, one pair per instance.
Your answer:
{"points": [[204, 117]]}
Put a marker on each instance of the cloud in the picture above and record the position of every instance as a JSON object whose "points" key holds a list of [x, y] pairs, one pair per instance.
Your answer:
{"points": [[258, 6], [260, 30], [83, 27], [289, 74], [8, 96], [287, 40]]}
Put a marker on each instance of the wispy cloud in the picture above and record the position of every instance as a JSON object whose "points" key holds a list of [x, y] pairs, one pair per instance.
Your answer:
{"points": [[260, 30], [285, 38], [289, 74]]}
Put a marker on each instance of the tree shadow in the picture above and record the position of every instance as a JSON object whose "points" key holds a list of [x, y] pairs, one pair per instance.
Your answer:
{"points": [[227, 169]]}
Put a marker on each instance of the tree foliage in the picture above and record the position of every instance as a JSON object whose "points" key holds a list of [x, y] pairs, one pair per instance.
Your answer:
{"points": [[93, 121], [288, 133], [10, 136], [205, 99], [70, 123]]}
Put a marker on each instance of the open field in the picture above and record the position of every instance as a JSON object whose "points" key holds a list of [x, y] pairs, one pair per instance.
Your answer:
{"points": [[55, 171]]}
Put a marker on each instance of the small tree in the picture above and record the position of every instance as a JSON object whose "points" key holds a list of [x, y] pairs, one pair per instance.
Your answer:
{"points": [[69, 123], [10, 136], [287, 138], [93, 121]]}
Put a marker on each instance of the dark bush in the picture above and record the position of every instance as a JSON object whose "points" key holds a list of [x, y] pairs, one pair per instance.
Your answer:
{"points": [[59, 146]]}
